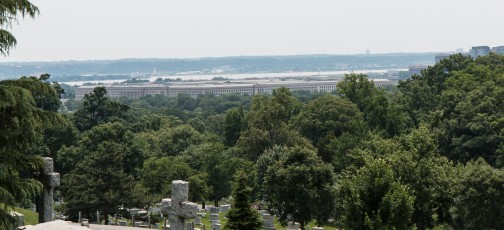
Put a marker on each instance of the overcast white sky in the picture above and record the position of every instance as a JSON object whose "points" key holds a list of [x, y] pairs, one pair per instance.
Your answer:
{"points": [[113, 29]]}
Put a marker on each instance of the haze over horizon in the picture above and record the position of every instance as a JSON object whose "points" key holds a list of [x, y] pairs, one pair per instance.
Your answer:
{"points": [[117, 29]]}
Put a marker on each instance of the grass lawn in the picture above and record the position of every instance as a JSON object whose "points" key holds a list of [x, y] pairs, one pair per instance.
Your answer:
{"points": [[30, 217], [223, 221]]}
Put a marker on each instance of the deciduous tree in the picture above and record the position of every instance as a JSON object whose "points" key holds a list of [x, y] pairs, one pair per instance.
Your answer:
{"points": [[479, 201], [299, 187], [97, 109]]}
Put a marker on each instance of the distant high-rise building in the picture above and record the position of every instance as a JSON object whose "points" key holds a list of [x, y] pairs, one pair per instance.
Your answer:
{"points": [[459, 51], [441, 56], [368, 52], [498, 49], [477, 51]]}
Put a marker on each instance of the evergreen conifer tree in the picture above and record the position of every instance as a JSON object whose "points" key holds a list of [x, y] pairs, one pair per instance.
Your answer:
{"points": [[242, 216]]}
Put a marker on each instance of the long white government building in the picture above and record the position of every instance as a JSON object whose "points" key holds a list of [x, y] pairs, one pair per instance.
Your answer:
{"points": [[250, 87]]}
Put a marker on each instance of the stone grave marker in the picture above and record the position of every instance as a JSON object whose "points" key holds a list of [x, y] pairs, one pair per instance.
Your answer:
{"points": [[269, 223], [214, 217], [123, 223], [293, 226], [50, 180], [224, 208], [215, 226], [197, 220], [214, 210], [178, 207]]}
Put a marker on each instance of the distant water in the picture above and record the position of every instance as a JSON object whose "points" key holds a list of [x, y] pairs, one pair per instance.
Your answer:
{"points": [[237, 76], [263, 75], [79, 83]]}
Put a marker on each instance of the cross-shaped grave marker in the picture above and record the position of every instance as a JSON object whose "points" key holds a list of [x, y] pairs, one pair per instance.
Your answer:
{"points": [[178, 207], [50, 180]]}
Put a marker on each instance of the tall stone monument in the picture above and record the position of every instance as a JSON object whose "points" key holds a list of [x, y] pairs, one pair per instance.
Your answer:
{"points": [[50, 180], [178, 207]]}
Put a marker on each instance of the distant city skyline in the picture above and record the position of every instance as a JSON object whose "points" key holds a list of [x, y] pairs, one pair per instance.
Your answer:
{"points": [[116, 29]]}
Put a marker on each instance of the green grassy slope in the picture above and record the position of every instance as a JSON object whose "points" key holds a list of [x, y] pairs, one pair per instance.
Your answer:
{"points": [[30, 217]]}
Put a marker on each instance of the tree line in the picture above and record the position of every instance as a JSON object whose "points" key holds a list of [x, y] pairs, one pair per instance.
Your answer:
{"points": [[425, 154]]}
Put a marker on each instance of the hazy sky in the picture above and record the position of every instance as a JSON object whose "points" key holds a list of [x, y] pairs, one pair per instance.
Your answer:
{"points": [[113, 29]]}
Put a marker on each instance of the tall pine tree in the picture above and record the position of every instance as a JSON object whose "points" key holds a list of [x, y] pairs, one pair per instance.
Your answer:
{"points": [[242, 216]]}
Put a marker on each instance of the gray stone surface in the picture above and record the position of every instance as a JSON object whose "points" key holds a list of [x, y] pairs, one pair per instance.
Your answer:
{"points": [[50, 180], [53, 179], [180, 190], [214, 217], [293, 226], [180, 209], [48, 165], [268, 222], [224, 208], [216, 226], [189, 226], [19, 218], [213, 210], [189, 209], [197, 220], [166, 206]]}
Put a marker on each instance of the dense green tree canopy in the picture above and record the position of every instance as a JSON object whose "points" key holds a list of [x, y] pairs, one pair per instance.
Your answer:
{"points": [[100, 181], [479, 201], [376, 105], [158, 172], [415, 164], [22, 125], [329, 114], [373, 198], [20, 129], [97, 109], [101, 171], [411, 157], [267, 124], [299, 187], [235, 123]]}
